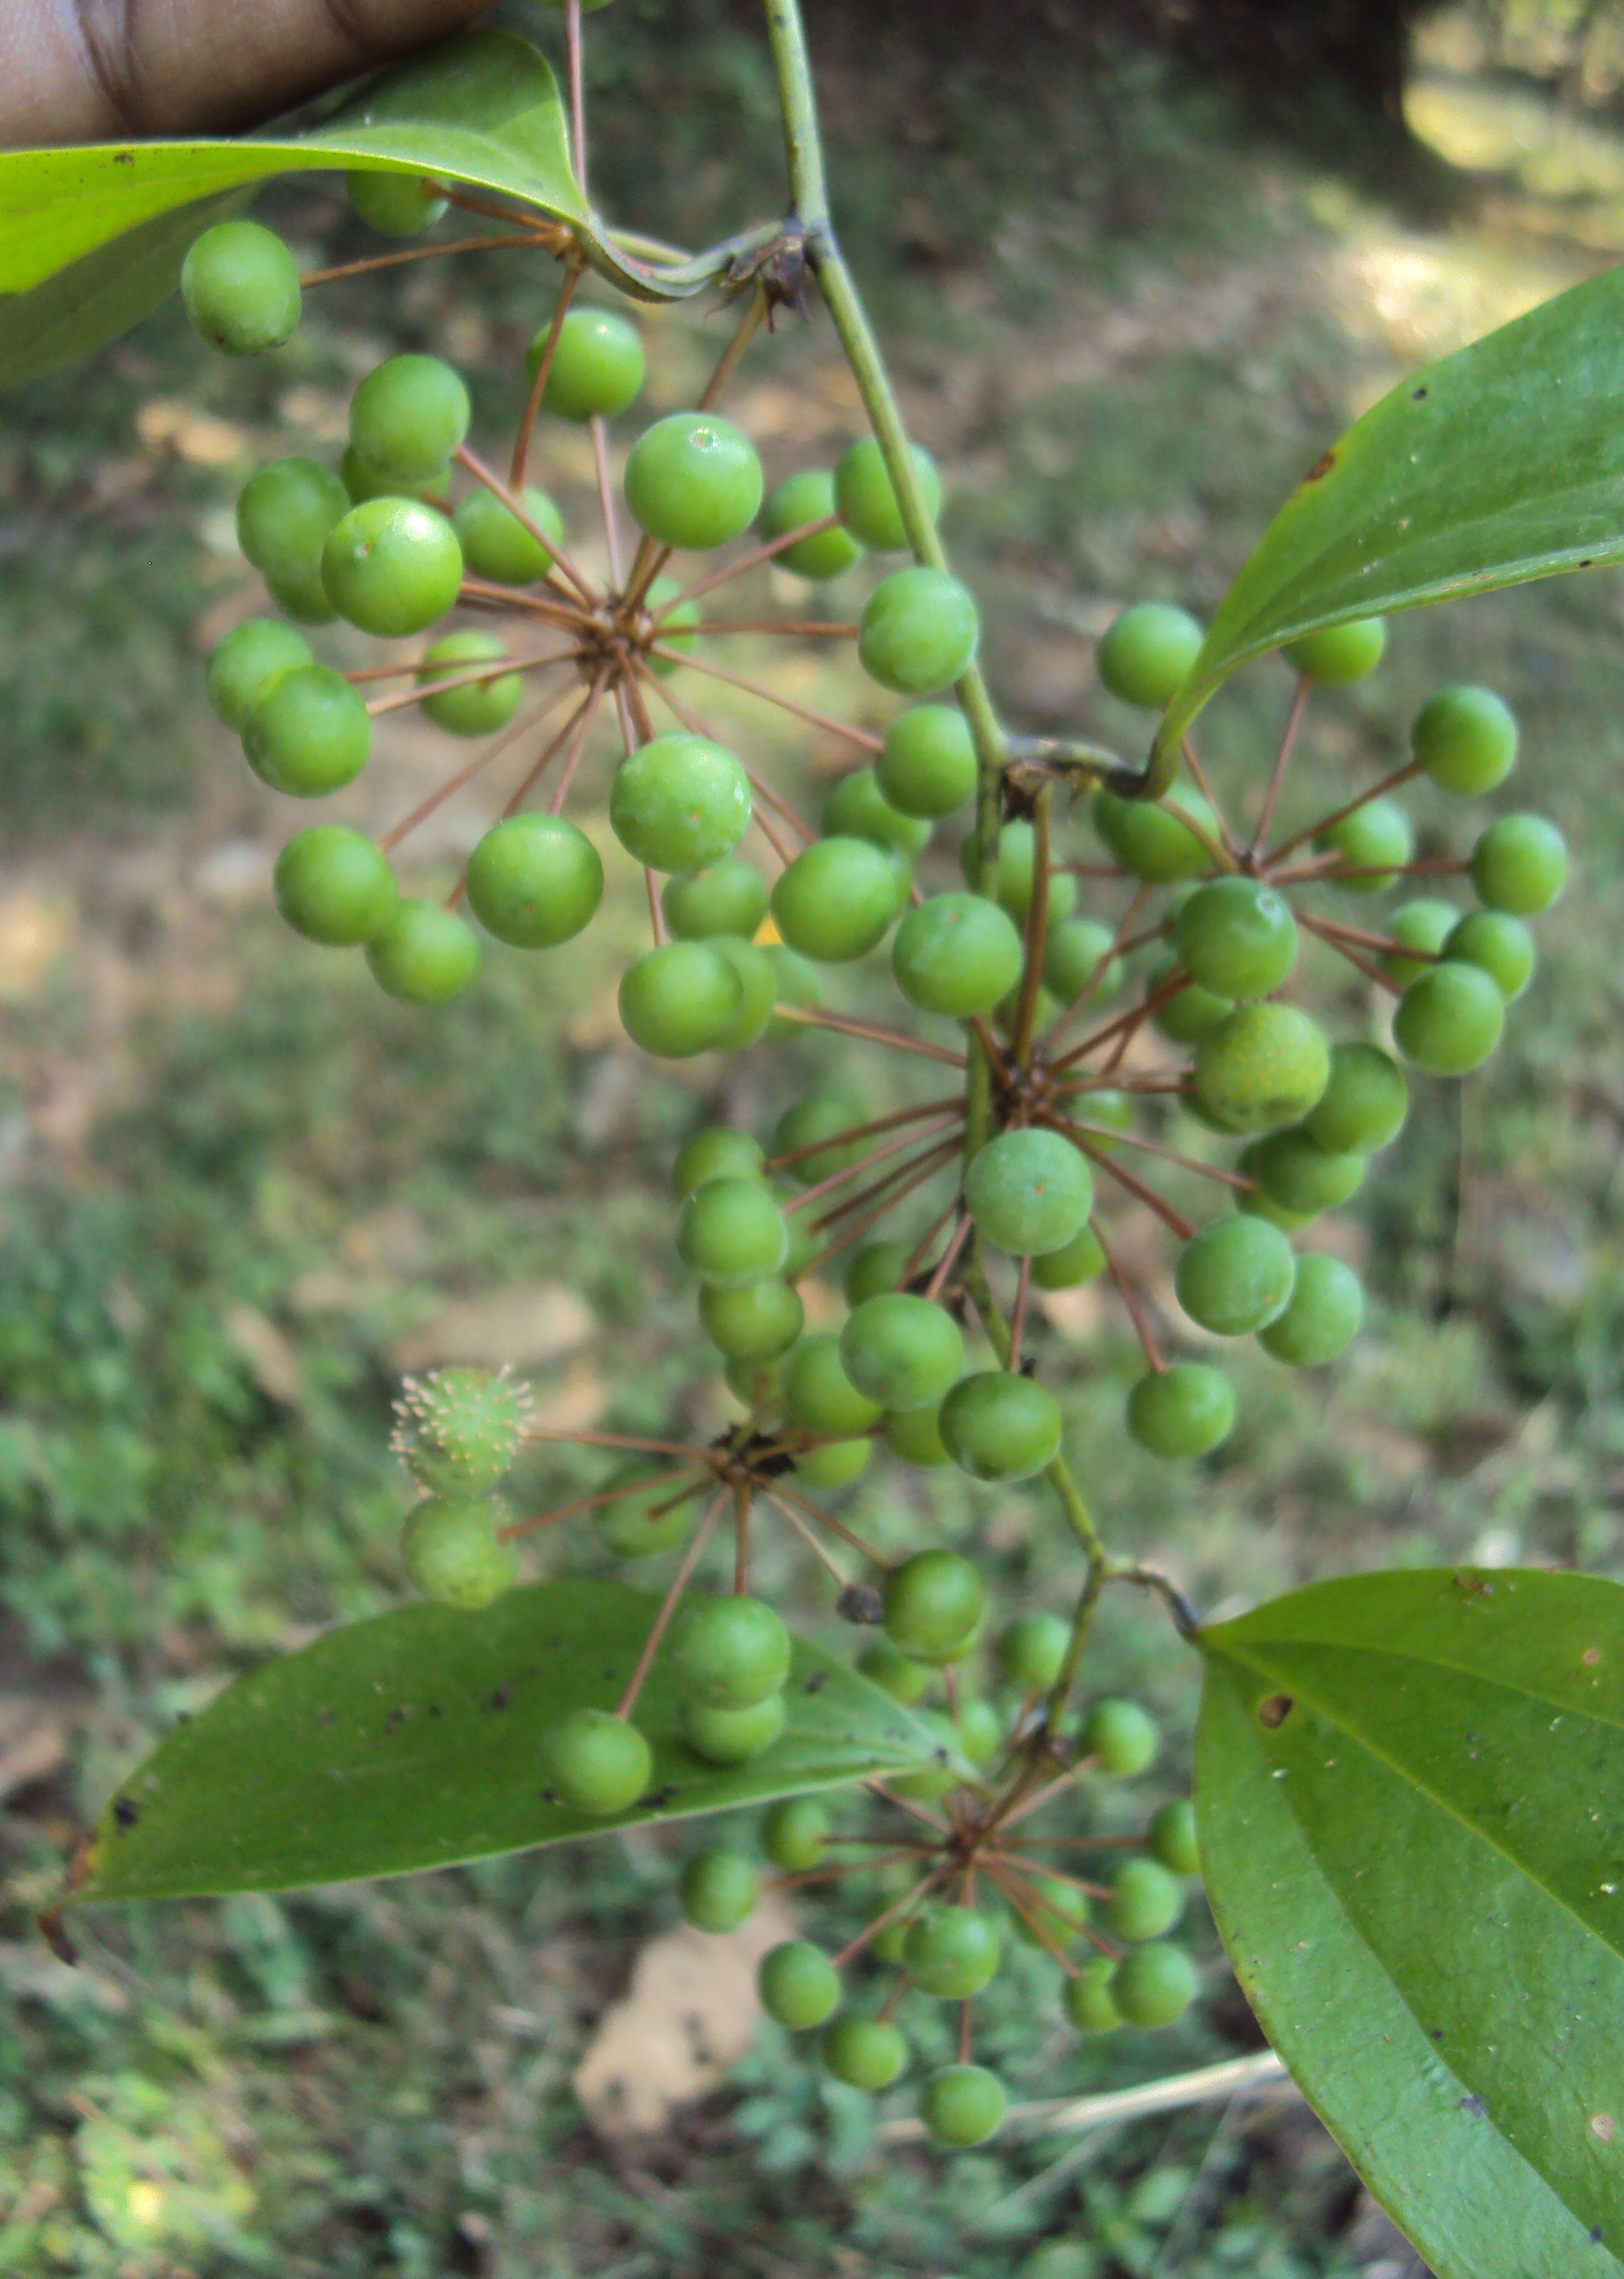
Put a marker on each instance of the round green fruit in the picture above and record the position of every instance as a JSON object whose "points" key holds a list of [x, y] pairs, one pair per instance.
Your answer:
{"points": [[457, 1430], [1030, 1192], [333, 884], [1501, 944], [918, 631], [1339, 654], [999, 1425], [962, 2106], [1145, 1900], [795, 1834], [1075, 1263], [731, 1737], [1152, 839], [730, 1653], [874, 1270], [956, 954], [1145, 653], [1520, 864], [680, 803], [1088, 2001], [408, 417], [1325, 1314], [1172, 1837], [478, 707], [597, 365], [422, 954], [1465, 738], [679, 999], [806, 498], [534, 881], [902, 1351], [1298, 1176], [1263, 1065], [1182, 1411], [1032, 1652], [894, 1672], [718, 1889], [308, 734], [241, 287], [867, 501], [452, 1552], [728, 896], [928, 765], [1155, 1985], [392, 566], [864, 2053], [596, 1762], [1122, 1735], [1012, 883], [1451, 1019], [835, 901], [916, 1436], [757, 1323], [247, 661], [730, 1232], [1236, 1276], [835, 1465], [1237, 938], [285, 514], [395, 205], [1365, 1101], [856, 808], [498, 546], [1422, 927], [692, 481], [932, 1601], [951, 1952], [819, 1395], [798, 1985], [1078, 963], [715, 1153], [1375, 841]]}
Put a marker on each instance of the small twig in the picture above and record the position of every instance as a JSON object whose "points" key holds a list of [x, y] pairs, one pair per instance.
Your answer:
{"points": [[668, 1605]]}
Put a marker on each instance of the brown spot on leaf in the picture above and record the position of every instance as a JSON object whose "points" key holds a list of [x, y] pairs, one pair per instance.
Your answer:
{"points": [[1419, 394], [1273, 1712], [127, 1812], [1321, 467], [1602, 2126], [1590, 1656]]}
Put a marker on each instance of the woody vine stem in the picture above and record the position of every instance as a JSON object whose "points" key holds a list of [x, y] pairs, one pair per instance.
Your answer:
{"points": [[810, 209]]}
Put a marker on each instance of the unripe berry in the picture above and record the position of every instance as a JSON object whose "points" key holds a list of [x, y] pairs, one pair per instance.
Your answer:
{"points": [[999, 1425], [423, 954], [1013, 883], [835, 1465], [458, 1431], [807, 497], [902, 1351], [816, 1116], [534, 881], [1298, 1176], [835, 901], [1155, 1985], [1236, 1276], [933, 1602], [308, 733], [1173, 1837], [597, 365], [392, 566], [1365, 1101], [856, 808], [914, 1434], [1501, 944], [596, 1762], [241, 287], [1325, 1314], [962, 2105], [478, 707], [1076, 1261], [334, 885], [247, 662], [731, 1737], [285, 513], [795, 1834], [1520, 864], [894, 1672], [679, 802], [798, 1985], [730, 1232], [875, 1270], [1465, 738], [1182, 1411], [452, 1553], [1032, 1650], [715, 1153], [1263, 1065], [918, 631], [1450, 1019], [951, 1952], [1030, 1192], [1339, 654], [408, 417], [1145, 1900], [864, 2053], [1057, 1912], [728, 896], [757, 1322], [679, 999], [496, 544], [1237, 938], [718, 1889], [1188, 1014], [956, 954], [819, 1395], [1146, 652], [1377, 838], [731, 1652], [692, 481], [395, 205], [1150, 839], [867, 500], [1423, 926], [1123, 1735], [1088, 2001], [928, 766], [1077, 964]]}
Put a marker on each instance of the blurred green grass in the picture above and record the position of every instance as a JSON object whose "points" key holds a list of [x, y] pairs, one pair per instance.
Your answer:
{"points": [[239, 1183]]}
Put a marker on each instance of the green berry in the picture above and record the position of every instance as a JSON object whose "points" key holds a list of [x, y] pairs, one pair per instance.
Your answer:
{"points": [[457, 1430], [1076, 1261], [902, 1351], [836, 900], [998, 1426], [1520, 864], [361, 482], [1145, 1900], [731, 1737], [1324, 1316], [799, 1985], [408, 417], [819, 1395], [302, 597], [933, 1602], [392, 566], [757, 1322], [817, 1116], [680, 803], [1237, 938], [1263, 1065], [730, 896], [1077, 964], [1122, 1735], [333, 884], [894, 1672], [956, 954], [1339, 654], [864, 2053], [835, 1465], [1146, 652], [867, 500], [1155, 1985], [1422, 927], [1451, 1019], [422, 954], [1172, 1837], [718, 1889], [981, 1731], [1364, 1103], [928, 765], [758, 984], [1501, 944], [650, 1514], [395, 205], [598, 367], [308, 734], [478, 707], [1376, 838], [1236, 1276], [1030, 1192], [875, 1270], [692, 481], [807, 497], [730, 1232], [951, 1952], [1032, 1652], [1058, 1911], [247, 661], [962, 2106], [241, 287], [1465, 738], [1088, 2001], [285, 514], [1187, 1015], [1296, 1175], [795, 1834], [596, 1762], [916, 1436], [1184, 1410], [534, 881], [715, 1153], [679, 999], [453, 1554], [495, 543], [731, 1652], [1012, 883], [856, 808], [918, 631], [1151, 839]]}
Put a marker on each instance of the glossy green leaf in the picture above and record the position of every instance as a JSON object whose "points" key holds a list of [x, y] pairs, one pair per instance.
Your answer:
{"points": [[1410, 1793], [1500, 463], [482, 109], [413, 1741]]}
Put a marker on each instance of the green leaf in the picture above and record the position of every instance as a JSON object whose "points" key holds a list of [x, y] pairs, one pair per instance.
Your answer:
{"points": [[1410, 1791], [1497, 464], [411, 1741], [482, 109]]}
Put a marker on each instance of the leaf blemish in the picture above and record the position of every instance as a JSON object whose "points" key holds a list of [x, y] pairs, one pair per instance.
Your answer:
{"points": [[1321, 467], [1473, 2104], [1590, 1656], [1273, 1712], [1602, 2126], [126, 1812]]}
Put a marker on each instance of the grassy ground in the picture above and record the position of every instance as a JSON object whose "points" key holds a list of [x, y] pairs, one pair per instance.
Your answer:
{"points": [[242, 1192]]}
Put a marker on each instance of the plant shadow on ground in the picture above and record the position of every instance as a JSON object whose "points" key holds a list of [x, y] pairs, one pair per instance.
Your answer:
{"points": [[243, 1192]]}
